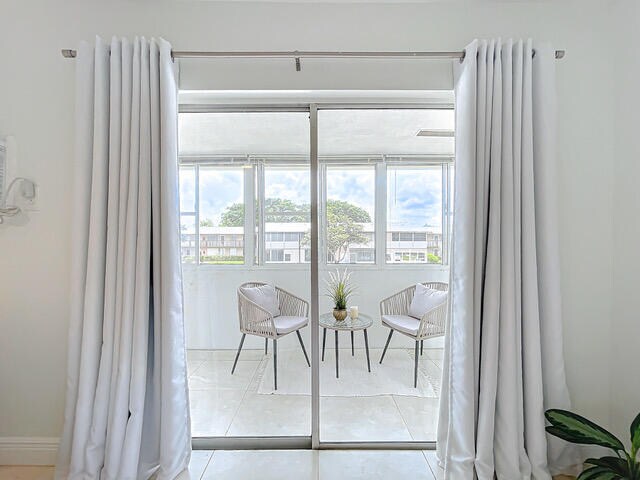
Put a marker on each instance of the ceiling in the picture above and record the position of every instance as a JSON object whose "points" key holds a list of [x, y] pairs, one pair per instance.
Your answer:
{"points": [[340, 132]]}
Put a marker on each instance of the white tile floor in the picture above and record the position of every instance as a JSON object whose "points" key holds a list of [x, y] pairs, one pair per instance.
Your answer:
{"points": [[229, 405], [312, 465], [285, 465]]}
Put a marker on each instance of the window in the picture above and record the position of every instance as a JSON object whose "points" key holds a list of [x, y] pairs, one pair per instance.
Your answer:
{"points": [[420, 237], [221, 215], [350, 213], [376, 206], [274, 255], [414, 213], [187, 214], [286, 212]]}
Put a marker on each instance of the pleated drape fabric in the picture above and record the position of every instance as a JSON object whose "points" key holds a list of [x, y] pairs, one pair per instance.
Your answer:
{"points": [[503, 358], [127, 411]]}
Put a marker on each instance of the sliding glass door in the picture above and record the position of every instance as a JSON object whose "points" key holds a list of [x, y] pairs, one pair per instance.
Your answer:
{"points": [[290, 200], [244, 179], [383, 218]]}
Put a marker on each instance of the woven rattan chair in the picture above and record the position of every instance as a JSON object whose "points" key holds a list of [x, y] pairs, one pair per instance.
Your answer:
{"points": [[255, 320], [394, 313]]}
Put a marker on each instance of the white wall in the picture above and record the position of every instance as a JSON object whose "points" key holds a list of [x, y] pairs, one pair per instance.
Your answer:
{"points": [[625, 382], [36, 105]]}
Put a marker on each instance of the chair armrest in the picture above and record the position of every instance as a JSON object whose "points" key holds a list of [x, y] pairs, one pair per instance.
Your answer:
{"points": [[398, 303], [433, 323], [292, 305], [254, 319]]}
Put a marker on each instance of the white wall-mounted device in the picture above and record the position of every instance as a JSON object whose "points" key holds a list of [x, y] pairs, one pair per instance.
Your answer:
{"points": [[3, 167], [22, 188]]}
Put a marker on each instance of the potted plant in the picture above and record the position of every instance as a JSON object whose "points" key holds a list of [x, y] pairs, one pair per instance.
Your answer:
{"points": [[339, 289], [576, 429]]}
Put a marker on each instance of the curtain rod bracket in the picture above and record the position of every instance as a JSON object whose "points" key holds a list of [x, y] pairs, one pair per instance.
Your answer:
{"points": [[298, 68]]}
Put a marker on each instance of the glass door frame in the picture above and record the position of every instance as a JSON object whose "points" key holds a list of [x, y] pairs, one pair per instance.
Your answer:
{"points": [[332, 101]]}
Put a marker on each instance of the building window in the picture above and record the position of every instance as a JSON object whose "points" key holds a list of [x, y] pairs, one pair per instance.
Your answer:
{"points": [[274, 255], [414, 213], [350, 213]]}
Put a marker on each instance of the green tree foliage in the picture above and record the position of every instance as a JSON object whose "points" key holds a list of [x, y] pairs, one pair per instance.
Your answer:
{"points": [[431, 258], [344, 227], [344, 221], [206, 222], [233, 216], [276, 210], [279, 210]]}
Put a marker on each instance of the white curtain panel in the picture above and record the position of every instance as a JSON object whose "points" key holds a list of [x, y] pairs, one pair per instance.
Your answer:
{"points": [[127, 411], [503, 358]]}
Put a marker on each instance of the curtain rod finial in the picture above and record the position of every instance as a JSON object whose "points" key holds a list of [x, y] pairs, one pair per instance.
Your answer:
{"points": [[69, 53]]}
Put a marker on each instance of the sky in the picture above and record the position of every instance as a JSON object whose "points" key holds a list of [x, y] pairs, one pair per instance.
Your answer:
{"points": [[414, 195]]}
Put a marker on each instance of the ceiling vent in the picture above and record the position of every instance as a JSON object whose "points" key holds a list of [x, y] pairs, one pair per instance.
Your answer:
{"points": [[435, 133]]}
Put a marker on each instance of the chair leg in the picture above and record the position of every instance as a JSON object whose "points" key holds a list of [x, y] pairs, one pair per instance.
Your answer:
{"points": [[324, 340], [337, 369], [366, 347], [421, 347], [352, 352], [303, 349], [238, 354], [415, 367], [266, 345], [386, 345], [275, 364]]}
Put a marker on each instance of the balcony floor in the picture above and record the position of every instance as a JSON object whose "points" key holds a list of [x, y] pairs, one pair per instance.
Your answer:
{"points": [[230, 405]]}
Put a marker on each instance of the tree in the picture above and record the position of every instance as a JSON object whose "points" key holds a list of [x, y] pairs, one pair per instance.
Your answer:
{"points": [[344, 221], [344, 227], [276, 210], [233, 216], [206, 222], [280, 210]]}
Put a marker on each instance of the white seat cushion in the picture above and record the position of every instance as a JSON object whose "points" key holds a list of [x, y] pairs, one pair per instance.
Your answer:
{"points": [[425, 299], [287, 324], [402, 323], [265, 296]]}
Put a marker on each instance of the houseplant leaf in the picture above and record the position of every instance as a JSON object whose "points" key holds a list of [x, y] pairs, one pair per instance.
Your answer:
{"points": [[614, 464], [598, 473], [635, 434], [577, 429]]}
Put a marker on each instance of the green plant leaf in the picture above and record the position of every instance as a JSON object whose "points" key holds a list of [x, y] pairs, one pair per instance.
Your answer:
{"points": [[615, 464], [635, 433], [598, 473], [576, 429]]}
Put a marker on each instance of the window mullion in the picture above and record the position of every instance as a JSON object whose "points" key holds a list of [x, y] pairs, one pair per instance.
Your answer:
{"points": [[261, 222], [249, 216], [322, 213], [197, 213], [445, 214], [380, 221]]}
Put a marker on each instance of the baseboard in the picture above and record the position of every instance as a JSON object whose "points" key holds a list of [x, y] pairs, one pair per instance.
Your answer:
{"points": [[28, 450]]}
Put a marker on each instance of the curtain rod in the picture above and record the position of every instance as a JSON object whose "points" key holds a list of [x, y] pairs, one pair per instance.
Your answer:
{"points": [[297, 55]]}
